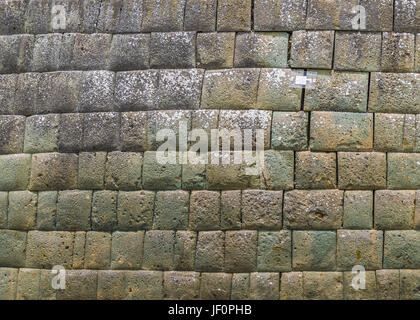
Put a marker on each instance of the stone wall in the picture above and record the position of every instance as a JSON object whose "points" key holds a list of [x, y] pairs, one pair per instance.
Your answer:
{"points": [[82, 102]]}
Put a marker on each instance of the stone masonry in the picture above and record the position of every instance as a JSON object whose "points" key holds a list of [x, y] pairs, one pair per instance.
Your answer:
{"points": [[86, 87]]}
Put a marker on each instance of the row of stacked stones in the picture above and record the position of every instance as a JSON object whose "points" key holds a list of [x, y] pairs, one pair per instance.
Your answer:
{"points": [[80, 185]]}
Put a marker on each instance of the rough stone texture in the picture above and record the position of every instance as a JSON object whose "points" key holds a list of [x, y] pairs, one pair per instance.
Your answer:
{"points": [[241, 251], [15, 171], [200, 15], [91, 170], [406, 16], [171, 210], [73, 210], [315, 170], [274, 251], [289, 131], [324, 15], [394, 209], [12, 130], [163, 15], [358, 210], [388, 284], [13, 245], [135, 210], [264, 286], [129, 52], [210, 251], [291, 286], [215, 50], [22, 210], [370, 291], [215, 286], [123, 171], [41, 134], [397, 52], [127, 250], [204, 210], [401, 249], [323, 285], [234, 15], [404, 170]]}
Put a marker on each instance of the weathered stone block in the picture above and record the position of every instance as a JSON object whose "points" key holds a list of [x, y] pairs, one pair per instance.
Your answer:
{"points": [[158, 253], [97, 91], [406, 16], [159, 16], [101, 131], [353, 293], [185, 245], [133, 133], [111, 285], [104, 210], [80, 285], [313, 209], [181, 285], [215, 50], [210, 255], [26, 93], [91, 51], [388, 284], [359, 247], [316, 170], [382, 11], [28, 284], [291, 286], [160, 176], [46, 210], [358, 210], [48, 249], [289, 131], [135, 210], [79, 248], [4, 204], [278, 170], [323, 285], [13, 244], [12, 131], [54, 171], [409, 284], [171, 210], [396, 132], [324, 15], [8, 84], [129, 52], [368, 51], [338, 91], [230, 210], [172, 50], [215, 286], [111, 13], [15, 171], [403, 170], [193, 176], [8, 283], [234, 15], [262, 209], [12, 17], [402, 249], [364, 170], [312, 49], [200, 15], [70, 132], [41, 133], [98, 250], [314, 250], [394, 93], [144, 285], [123, 171], [279, 15], [91, 170], [241, 251], [261, 49], [394, 209], [398, 52], [230, 89], [16, 53], [73, 210], [240, 286], [47, 52], [274, 251], [264, 286], [275, 91], [22, 210]]}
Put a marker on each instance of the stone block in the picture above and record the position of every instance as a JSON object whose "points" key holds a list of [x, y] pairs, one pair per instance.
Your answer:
{"points": [[409, 284], [278, 170], [261, 49], [91, 170], [97, 91], [160, 176], [215, 286], [123, 171], [101, 131], [181, 285], [264, 286], [13, 244], [215, 50], [171, 210], [275, 90], [230, 209], [274, 251], [361, 170], [291, 286], [358, 210], [73, 210], [324, 15], [200, 15], [46, 210], [185, 246], [314, 250], [41, 133], [359, 247], [172, 50], [8, 283], [401, 249], [338, 91], [111, 285], [91, 51], [80, 285], [28, 284], [240, 286], [8, 84], [54, 171], [133, 133], [398, 52], [312, 49], [406, 16], [12, 17], [262, 209], [144, 285], [323, 285], [388, 284], [129, 52], [289, 131], [4, 204], [104, 210], [47, 52], [313, 209], [135, 210], [26, 94], [316, 170], [158, 250], [241, 251], [16, 53], [79, 248], [394, 209], [193, 176], [403, 170], [234, 15], [369, 292], [22, 210], [98, 250], [12, 131], [15, 170], [210, 252], [70, 132], [383, 13], [161, 16]]}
